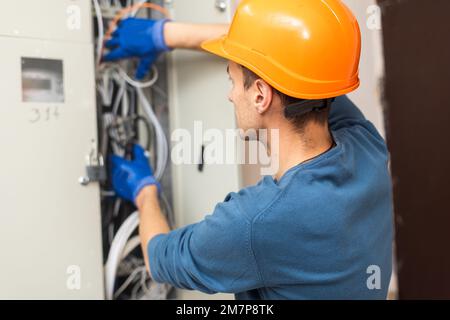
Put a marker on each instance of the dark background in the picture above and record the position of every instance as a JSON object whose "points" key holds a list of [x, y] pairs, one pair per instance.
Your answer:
{"points": [[417, 111]]}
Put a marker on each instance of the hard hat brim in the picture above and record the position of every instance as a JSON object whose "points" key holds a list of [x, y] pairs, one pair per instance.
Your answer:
{"points": [[217, 47]]}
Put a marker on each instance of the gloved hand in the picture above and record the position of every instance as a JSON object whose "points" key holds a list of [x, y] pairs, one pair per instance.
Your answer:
{"points": [[130, 177], [138, 38]]}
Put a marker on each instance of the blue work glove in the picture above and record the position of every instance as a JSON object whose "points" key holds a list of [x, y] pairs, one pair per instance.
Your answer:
{"points": [[138, 38], [129, 177]]}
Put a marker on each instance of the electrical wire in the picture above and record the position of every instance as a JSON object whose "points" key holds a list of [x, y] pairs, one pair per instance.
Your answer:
{"points": [[98, 13], [105, 87], [138, 84], [132, 244], [116, 251], [162, 148], [120, 94], [113, 73], [128, 264], [129, 280]]}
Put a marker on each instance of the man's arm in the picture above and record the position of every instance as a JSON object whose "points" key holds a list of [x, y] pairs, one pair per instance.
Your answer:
{"points": [[212, 256], [146, 39], [152, 221], [190, 36], [133, 180]]}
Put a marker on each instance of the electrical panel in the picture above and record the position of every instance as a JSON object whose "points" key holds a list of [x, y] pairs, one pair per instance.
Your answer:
{"points": [[50, 232]]}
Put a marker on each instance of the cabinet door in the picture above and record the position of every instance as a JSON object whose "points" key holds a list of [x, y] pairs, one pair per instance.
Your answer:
{"points": [[50, 239]]}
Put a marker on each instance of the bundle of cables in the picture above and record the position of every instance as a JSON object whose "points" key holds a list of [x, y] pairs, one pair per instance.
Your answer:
{"points": [[122, 96]]}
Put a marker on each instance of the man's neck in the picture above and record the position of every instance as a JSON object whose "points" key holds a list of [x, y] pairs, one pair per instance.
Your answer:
{"points": [[294, 148]]}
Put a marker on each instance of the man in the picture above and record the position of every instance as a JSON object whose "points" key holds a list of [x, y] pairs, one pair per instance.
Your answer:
{"points": [[321, 228]]}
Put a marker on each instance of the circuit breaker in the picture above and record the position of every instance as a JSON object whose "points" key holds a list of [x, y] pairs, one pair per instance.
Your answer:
{"points": [[50, 229]]}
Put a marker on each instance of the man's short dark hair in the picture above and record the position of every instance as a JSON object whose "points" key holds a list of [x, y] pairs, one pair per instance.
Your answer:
{"points": [[298, 121]]}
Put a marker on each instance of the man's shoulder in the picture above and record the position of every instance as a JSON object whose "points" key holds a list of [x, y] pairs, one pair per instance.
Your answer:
{"points": [[252, 200]]}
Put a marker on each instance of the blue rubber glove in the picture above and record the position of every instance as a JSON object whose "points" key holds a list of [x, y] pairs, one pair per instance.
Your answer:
{"points": [[130, 177], [138, 38]]}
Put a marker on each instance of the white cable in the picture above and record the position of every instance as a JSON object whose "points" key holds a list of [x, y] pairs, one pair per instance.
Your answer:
{"points": [[98, 13], [140, 285], [138, 84], [117, 74], [122, 88], [132, 244], [162, 148], [129, 280], [128, 264], [105, 87], [116, 250], [125, 102]]}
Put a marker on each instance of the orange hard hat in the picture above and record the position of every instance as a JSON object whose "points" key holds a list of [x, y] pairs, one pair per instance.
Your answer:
{"points": [[307, 49]]}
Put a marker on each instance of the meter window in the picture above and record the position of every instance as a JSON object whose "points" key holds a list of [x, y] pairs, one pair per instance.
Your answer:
{"points": [[42, 80]]}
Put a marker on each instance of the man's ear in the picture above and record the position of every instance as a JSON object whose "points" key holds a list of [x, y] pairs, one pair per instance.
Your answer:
{"points": [[263, 95]]}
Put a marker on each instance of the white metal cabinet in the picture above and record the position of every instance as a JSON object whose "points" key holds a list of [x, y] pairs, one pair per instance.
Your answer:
{"points": [[50, 225]]}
